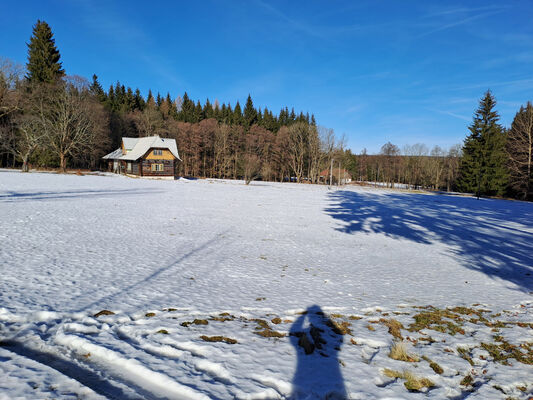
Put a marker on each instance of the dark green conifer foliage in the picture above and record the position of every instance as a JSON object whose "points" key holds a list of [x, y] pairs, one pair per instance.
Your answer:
{"points": [[483, 169], [237, 114], [208, 109], [138, 102], [250, 113], [97, 90], [43, 56]]}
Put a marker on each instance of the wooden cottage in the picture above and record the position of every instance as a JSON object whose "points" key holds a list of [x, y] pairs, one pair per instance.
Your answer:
{"points": [[150, 156]]}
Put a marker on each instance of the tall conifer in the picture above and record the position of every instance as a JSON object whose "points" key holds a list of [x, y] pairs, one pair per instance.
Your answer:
{"points": [[483, 168], [43, 56]]}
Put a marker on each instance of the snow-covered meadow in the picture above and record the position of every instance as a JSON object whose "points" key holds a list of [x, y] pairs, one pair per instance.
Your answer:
{"points": [[217, 289]]}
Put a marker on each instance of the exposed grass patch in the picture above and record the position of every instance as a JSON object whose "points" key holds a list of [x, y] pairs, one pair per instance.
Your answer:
{"points": [[412, 382], [438, 320], [162, 331], [149, 314], [370, 327], [195, 322], [395, 327], [340, 328], [218, 339], [276, 320], [399, 352], [103, 312], [504, 351], [467, 380], [433, 365], [464, 353], [263, 329], [354, 317]]}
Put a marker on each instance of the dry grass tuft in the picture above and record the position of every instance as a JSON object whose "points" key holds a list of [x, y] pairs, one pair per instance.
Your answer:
{"points": [[149, 315], [412, 382], [399, 352], [340, 328]]}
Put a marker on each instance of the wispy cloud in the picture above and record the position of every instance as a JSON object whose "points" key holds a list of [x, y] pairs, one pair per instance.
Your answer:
{"points": [[451, 114], [301, 26], [464, 10], [454, 24]]}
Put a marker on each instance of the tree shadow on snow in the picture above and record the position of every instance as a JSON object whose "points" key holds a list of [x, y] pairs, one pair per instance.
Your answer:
{"points": [[10, 196], [153, 276], [318, 373], [490, 236]]}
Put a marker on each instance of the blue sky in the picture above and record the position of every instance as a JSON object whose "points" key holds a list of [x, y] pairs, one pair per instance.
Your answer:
{"points": [[401, 71]]}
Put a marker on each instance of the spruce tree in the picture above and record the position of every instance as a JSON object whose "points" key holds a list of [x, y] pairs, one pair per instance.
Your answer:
{"points": [[43, 56], [97, 90], [237, 114], [483, 169], [250, 113]]}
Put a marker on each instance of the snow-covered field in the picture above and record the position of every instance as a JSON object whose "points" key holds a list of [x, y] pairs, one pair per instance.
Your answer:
{"points": [[217, 290]]}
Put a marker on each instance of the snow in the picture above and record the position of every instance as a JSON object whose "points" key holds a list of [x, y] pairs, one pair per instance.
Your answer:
{"points": [[161, 254]]}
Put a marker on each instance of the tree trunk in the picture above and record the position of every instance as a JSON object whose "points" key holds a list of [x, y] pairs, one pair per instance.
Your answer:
{"points": [[25, 164], [62, 162]]}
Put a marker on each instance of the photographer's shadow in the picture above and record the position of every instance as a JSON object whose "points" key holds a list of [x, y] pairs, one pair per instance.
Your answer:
{"points": [[317, 341]]}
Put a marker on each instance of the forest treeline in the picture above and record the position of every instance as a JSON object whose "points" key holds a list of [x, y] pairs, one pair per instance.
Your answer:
{"points": [[50, 119]]}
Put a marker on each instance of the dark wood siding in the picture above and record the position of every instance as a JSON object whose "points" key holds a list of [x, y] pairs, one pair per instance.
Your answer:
{"points": [[135, 168], [168, 168]]}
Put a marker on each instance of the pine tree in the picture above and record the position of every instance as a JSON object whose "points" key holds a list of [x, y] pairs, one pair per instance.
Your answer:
{"points": [[97, 90], [250, 113], [483, 168], [43, 56], [138, 102], [237, 114]]}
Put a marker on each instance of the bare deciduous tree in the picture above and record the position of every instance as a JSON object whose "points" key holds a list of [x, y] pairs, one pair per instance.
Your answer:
{"points": [[520, 151], [298, 134], [66, 115]]}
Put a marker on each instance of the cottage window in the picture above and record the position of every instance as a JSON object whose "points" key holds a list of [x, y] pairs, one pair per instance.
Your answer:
{"points": [[129, 166], [158, 167], [158, 152]]}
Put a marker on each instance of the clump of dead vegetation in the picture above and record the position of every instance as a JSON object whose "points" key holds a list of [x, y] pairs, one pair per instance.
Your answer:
{"points": [[464, 353], [103, 312], [263, 329], [218, 339], [395, 327], [438, 320], [412, 381], [223, 317], [399, 352], [433, 365], [340, 328], [195, 322], [503, 351]]}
